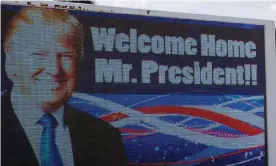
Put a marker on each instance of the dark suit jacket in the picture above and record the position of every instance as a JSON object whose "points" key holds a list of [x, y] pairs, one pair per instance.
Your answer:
{"points": [[94, 142]]}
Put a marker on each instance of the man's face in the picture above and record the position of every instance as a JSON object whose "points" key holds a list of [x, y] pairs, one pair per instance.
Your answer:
{"points": [[47, 60]]}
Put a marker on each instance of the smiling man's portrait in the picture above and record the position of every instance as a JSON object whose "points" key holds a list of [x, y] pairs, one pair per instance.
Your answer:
{"points": [[43, 48]]}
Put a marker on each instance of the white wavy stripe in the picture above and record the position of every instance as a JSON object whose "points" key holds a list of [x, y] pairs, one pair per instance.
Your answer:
{"points": [[144, 101], [241, 99], [147, 126], [171, 129], [257, 109], [184, 121], [210, 127], [130, 120], [236, 114]]}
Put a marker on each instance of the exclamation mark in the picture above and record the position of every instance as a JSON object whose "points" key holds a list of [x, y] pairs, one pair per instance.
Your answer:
{"points": [[247, 74], [254, 74]]}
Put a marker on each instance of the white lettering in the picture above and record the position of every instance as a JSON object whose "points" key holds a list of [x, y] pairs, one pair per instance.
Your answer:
{"points": [[103, 39], [108, 70], [148, 68]]}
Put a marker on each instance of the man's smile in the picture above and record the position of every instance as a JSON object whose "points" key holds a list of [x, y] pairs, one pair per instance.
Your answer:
{"points": [[53, 85]]}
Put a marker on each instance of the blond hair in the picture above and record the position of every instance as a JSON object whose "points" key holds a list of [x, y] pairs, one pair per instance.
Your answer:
{"points": [[29, 15]]}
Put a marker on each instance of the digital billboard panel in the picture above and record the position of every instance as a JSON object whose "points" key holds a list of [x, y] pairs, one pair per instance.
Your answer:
{"points": [[83, 87]]}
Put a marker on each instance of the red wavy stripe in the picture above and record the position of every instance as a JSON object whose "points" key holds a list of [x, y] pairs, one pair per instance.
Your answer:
{"points": [[206, 114], [113, 117]]}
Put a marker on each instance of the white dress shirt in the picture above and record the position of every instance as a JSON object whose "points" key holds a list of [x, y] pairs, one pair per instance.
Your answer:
{"points": [[29, 115]]}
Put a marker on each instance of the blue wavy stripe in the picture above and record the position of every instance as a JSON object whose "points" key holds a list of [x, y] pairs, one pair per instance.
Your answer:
{"points": [[246, 105], [238, 158], [173, 99], [209, 152], [160, 147]]}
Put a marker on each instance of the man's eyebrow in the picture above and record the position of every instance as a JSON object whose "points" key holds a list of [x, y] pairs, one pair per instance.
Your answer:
{"points": [[40, 53]]}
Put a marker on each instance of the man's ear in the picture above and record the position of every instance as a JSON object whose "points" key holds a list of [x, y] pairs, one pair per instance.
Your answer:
{"points": [[11, 66]]}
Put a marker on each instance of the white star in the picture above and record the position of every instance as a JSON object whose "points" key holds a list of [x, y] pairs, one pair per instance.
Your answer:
{"points": [[245, 155], [213, 160], [156, 148], [260, 157]]}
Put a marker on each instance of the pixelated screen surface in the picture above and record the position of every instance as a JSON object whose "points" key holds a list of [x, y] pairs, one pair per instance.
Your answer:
{"points": [[180, 91]]}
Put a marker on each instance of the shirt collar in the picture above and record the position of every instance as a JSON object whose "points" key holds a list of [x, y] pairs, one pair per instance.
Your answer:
{"points": [[59, 115]]}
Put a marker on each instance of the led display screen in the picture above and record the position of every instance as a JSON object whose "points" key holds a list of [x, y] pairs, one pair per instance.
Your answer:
{"points": [[94, 88]]}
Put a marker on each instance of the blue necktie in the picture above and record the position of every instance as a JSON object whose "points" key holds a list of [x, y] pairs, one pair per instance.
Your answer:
{"points": [[49, 154]]}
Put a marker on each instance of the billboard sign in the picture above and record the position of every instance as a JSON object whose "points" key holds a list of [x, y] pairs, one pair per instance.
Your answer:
{"points": [[122, 89]]}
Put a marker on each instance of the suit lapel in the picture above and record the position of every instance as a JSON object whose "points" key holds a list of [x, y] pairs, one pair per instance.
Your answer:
{"points": [[85, 133], [16, 148], [94, 142], [72, 119]]}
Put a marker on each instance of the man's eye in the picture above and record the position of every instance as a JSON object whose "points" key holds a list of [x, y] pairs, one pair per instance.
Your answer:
{"points": [[39, 56], [66, 55], [69, 55], [65, 58]]}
